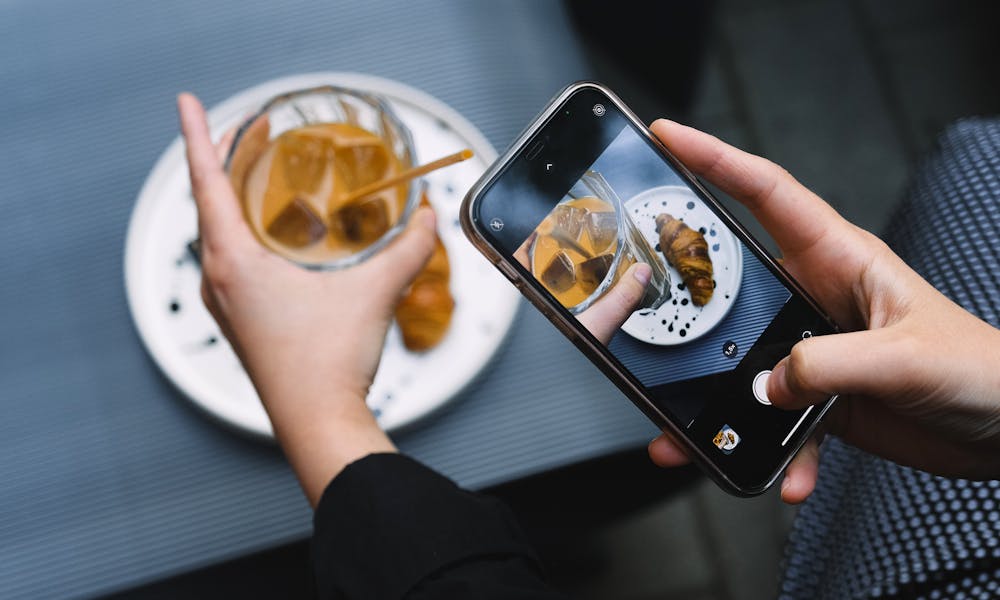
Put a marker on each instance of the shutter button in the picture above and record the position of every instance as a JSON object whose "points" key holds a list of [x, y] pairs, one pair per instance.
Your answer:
{"points": [[760, 387]]}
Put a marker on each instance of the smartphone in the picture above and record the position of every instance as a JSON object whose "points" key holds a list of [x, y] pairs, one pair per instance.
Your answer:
{"points": [[585, 192]]}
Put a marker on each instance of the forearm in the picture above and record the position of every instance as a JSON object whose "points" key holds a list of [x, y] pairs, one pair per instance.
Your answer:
{"points": [[322, 433]]}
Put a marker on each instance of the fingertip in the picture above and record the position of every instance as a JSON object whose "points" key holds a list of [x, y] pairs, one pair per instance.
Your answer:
{"points": [[668, 128], [187, 103], [662, 128], [777, 385], [642, 273], [664, 453], [788, 491], [411, 249], [651, 444], [192, 118], [785, 484], [801, 474], [426, 218], [423, 227], [796, 489]]}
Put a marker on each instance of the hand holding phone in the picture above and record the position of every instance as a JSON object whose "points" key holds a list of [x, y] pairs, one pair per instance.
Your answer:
{"points": [[631, 258], [918, 385], [725, 335]]}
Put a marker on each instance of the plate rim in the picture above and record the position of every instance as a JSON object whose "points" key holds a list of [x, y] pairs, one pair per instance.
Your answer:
{"points": [[739, 257], [175, 370]]}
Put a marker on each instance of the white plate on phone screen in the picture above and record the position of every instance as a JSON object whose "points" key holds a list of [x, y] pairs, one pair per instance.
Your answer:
{"points": [[162, 281], [678, 321]]}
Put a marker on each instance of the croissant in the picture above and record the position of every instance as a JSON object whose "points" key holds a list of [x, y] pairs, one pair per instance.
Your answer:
{"points": [[424, 313], [687, 251]]}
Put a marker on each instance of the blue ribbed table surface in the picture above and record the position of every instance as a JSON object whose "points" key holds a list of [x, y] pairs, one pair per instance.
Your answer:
{"points": [[109, 477]]}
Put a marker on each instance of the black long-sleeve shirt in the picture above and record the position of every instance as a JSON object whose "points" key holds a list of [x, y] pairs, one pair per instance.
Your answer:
{"points": [[389, 527]]}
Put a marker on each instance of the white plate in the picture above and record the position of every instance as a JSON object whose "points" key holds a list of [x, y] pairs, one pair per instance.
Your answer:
{"points": [[162, 282], [679, 321]]}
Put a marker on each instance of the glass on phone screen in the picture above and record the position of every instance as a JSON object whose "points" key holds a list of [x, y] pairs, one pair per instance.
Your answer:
{"points": [[715, 317]]}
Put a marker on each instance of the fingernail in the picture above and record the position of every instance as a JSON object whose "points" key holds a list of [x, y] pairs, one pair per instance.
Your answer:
{"points": [[785, 484], [643, 273]]}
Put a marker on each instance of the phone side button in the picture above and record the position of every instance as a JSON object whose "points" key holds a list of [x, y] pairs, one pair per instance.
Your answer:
{"points": [[508, 272]]}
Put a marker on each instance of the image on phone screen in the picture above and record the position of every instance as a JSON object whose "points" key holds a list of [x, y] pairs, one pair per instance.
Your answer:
{"points": [[709, 300]]}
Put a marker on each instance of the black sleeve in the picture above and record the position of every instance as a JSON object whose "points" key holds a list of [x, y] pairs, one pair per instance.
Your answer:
{"points": [[389, 527]]}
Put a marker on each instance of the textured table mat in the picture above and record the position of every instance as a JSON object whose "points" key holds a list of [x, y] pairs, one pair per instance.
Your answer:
{"points": [[109, 477]]}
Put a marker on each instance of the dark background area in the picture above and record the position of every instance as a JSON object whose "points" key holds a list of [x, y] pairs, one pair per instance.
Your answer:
{"points": [[847, 95]]}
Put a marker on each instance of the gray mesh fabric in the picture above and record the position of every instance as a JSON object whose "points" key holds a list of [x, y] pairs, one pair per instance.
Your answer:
{"points": [[876, 529]]}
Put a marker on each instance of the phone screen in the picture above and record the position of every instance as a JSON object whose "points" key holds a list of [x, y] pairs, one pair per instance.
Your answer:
{"points": [[590, 196]]}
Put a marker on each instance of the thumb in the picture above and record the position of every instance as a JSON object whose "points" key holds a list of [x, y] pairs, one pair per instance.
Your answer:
{"points": [[401, 261], [220, 218], [862, 362], [605, 316]]}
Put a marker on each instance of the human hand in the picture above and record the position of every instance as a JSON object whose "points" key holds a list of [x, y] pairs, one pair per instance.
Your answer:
{"points": [[919, 377], [310, 341], [606, 316]]}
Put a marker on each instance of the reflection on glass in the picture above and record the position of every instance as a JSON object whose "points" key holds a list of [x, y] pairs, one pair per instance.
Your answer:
{"points": [[583, 247]]}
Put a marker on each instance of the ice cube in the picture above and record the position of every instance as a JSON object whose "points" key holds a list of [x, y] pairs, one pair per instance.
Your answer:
{"points": [[304, 155], [297, 226], [558, 275], [363, 162], [362, 222], [594, 270], [602, 228], [567, 221]]}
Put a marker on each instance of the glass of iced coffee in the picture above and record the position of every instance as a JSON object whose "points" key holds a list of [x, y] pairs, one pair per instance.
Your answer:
{"points": [[586, 243], [296, 163]]}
